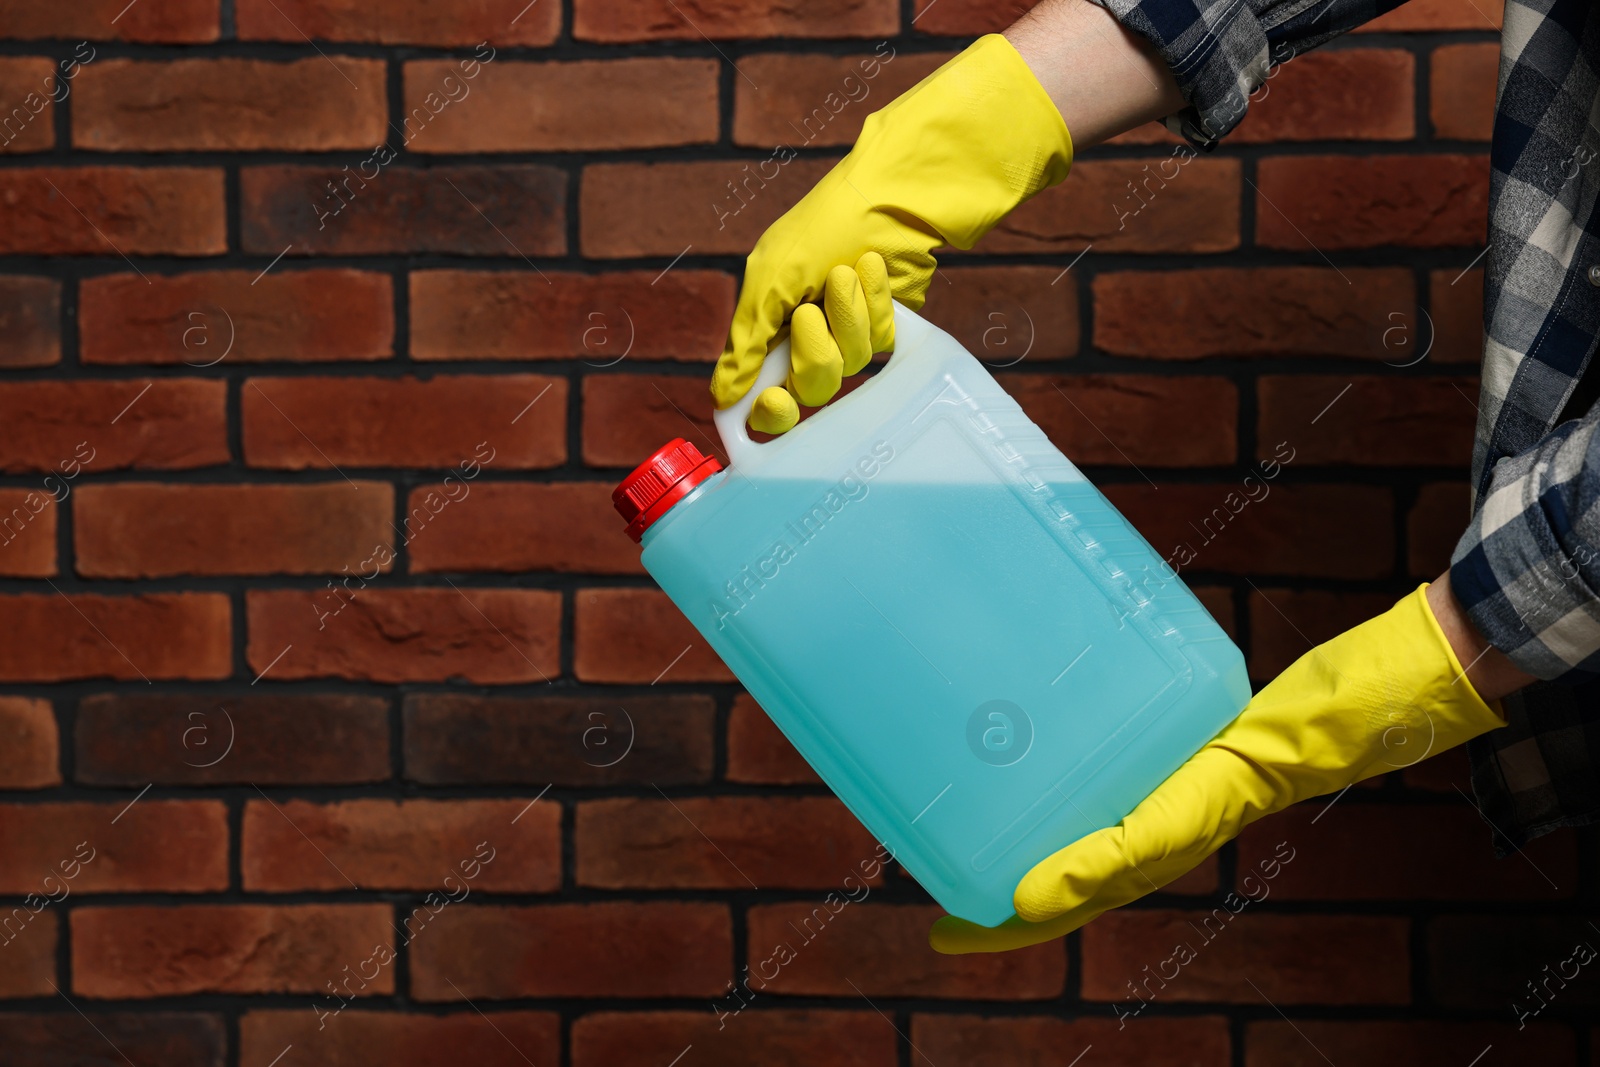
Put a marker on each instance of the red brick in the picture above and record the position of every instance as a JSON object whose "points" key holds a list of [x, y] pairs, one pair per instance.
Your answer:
{"points": [[1428, 15], [1379, 422], [1202, 880], [771, 1038], [68, 427], [638, 635], [28, 88], [174, 1039], [723, 843], [1433, 526], [1487, 961], [1125, 420], [1444, 772], [884, 950], [30, 321], [1455, 300], [173, 846], [51, 638], [449, 847], [574, 950], [598, 104], [628, 416], [243, 316], [356, 1038], [1462, 82], [138, 952], [1255, 311], [659, 209], [1182, 204], [27, 533], [113, 211], [132, 739], [1219, 602], [975, 1041], [1331, 202], [1332, 531], [1406, 336], [1294, 959], [29, 940], [599, 318], [966, 18], [1429, 853], [462, 421], [525, 526], [367, 208], [758, 752], [806, 100], [1006, 315], [218, 105], [147, 530], [29, 748], [181, 22], [503, 22], [1285, 624], [1316, 1042], [630, 20], [486, 636], [1357, 94], [465, 739]]}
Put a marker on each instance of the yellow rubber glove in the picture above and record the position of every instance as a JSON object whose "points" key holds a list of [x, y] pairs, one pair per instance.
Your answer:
{"points": [[827, 345], [941, 164], [1384, 695]]}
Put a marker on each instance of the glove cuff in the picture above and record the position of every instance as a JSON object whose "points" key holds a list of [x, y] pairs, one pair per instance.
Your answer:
{"points": [[1378, 698], [1476, 712], [980, 127]]}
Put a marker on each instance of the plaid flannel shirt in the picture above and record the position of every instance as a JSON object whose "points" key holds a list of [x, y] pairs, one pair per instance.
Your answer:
{"points": [[1528, 567]]}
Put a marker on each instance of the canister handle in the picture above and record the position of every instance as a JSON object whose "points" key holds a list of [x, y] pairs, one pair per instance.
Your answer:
{"points": [[731, 421]]}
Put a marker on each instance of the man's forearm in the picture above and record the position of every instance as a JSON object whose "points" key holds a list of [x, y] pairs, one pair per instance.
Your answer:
{"points": [[1105, 79], [1489, 670]]}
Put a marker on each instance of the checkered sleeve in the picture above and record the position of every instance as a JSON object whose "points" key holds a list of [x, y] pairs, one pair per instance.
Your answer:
{"points": [[1223, 51], [1528, 567]]}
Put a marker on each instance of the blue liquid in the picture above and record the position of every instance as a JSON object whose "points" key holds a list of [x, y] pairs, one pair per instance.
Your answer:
{"points": [[983, 668]]}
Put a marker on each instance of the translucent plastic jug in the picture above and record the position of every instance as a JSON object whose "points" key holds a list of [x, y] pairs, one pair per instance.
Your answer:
{"points": [[962, 636]]}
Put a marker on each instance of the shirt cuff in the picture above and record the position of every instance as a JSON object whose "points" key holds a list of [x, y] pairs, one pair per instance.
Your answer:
{"points": [[1516, 572], [1217, 51]]}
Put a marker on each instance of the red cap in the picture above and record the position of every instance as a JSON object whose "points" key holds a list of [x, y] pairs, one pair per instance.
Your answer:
{"points": [[660, 482]]}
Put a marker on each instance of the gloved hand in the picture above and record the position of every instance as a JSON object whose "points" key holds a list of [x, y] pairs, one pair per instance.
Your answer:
{"points": [[824, 347], [942, 164], [1382, 696]]}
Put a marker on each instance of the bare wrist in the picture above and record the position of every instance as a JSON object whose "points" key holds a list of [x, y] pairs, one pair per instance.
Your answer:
{"points": [[1104, 79], [1490, 671]]}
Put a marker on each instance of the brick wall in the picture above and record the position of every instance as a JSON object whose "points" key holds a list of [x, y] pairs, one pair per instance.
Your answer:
{"points": [[316, 627]]}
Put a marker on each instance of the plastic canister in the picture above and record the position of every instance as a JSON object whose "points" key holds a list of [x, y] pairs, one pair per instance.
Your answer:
{"points": [[960, 633]]}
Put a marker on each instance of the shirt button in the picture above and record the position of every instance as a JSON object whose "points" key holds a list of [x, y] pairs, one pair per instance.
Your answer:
{"points": [[1594, 275]]}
